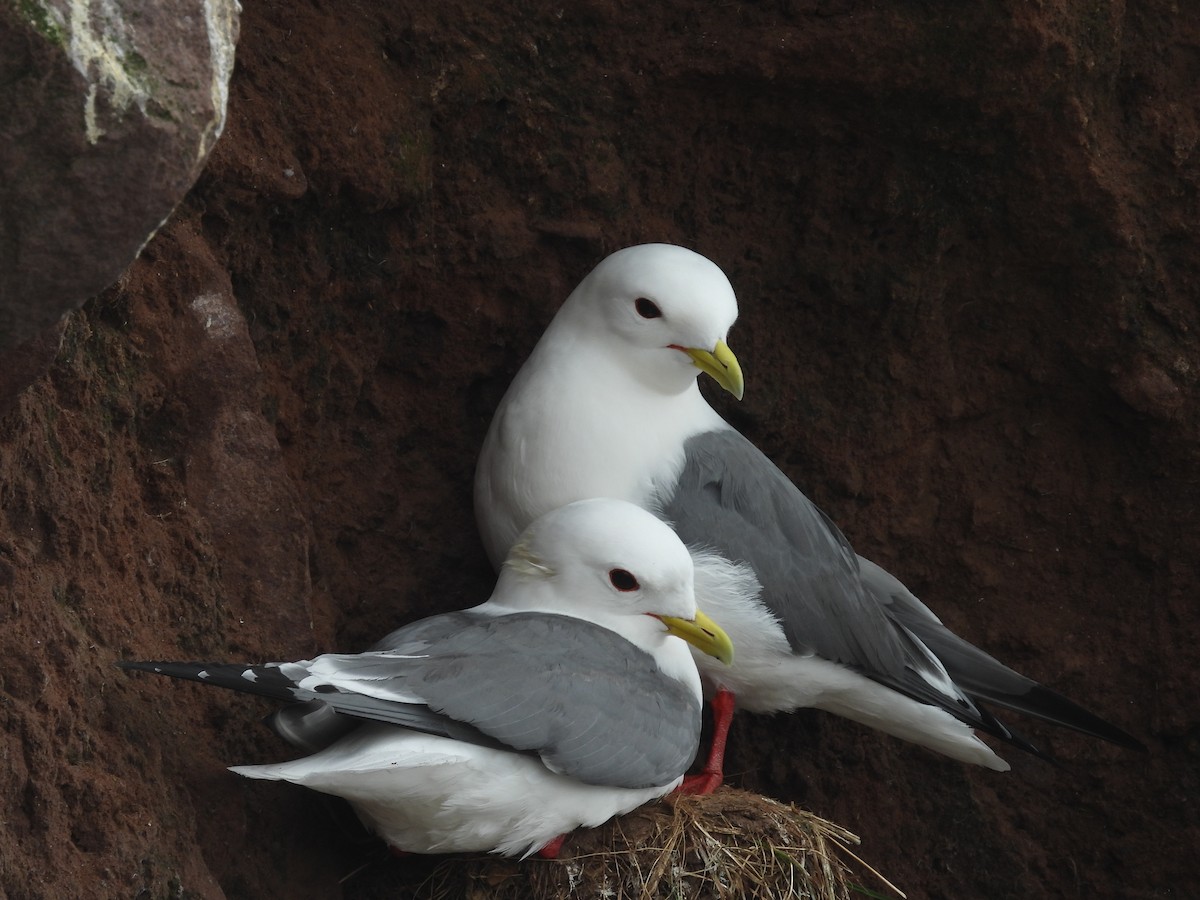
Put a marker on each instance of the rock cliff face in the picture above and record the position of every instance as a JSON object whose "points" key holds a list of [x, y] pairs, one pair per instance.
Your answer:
{"points": [[964, 239]]}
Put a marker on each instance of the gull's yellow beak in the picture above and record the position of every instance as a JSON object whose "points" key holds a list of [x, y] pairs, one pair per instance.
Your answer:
{"points": [[702, 633], [722, 365]]}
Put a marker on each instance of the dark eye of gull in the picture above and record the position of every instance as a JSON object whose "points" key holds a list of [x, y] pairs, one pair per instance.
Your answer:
{"points": [[646, 308], [623, 580]]}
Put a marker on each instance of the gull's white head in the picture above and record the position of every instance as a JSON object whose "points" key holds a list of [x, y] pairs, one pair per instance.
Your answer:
{"points": [[665, 310], [608, 560]]}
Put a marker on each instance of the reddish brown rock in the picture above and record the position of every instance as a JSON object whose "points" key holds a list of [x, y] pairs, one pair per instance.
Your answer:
{"points": [[964, 245]]}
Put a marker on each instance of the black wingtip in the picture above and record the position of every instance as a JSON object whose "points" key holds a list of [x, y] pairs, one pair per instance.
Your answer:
{"points": [[188, 670], [265, 681], [1052, 706], [1008, 734], [1071, 714]]}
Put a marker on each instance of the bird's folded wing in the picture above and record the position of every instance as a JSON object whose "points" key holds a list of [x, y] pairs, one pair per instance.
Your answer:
{"points": [[979, 674], [587, 701], [271, 681], [584, 699], [731, 499]]}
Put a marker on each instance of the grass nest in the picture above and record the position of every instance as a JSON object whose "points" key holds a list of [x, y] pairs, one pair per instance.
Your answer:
{"points": [[732, 844]]}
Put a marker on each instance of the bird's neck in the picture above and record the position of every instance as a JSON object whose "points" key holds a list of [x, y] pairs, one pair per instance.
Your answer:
{"points": [[592, 403], [587, 428]]}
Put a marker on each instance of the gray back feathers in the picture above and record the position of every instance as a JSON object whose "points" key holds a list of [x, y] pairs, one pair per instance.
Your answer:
{"points": [[732, 499]]}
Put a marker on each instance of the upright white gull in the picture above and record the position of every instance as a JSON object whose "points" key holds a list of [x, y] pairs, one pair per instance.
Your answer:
{"points": [[608, 405], [564, 700]]}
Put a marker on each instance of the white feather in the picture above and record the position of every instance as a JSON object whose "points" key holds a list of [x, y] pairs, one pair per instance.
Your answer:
{"points": [[429, 794]]}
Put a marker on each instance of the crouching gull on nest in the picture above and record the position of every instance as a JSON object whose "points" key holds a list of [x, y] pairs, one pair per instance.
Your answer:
{"points": [[608, 405], [562, 701]]}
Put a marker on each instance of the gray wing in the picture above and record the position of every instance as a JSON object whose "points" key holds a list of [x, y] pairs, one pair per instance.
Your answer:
{"points": [[416, 637], [980, 675], [589, 703], [734, 500], [315, 724], [315, 717]]}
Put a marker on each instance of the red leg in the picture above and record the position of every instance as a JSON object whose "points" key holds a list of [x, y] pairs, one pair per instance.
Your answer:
{"points": [[550, 850], [712, 774]]}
